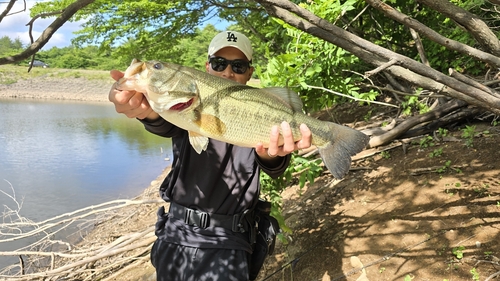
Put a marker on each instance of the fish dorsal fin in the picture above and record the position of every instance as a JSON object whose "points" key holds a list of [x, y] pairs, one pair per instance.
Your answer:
{"points": [[288, 96], [198, 142]]}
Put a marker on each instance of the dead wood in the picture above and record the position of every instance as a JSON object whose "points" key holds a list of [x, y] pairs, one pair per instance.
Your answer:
{"points": [[435, 169], [455, 117], [105, 252], [407, 69], [411, 122]]}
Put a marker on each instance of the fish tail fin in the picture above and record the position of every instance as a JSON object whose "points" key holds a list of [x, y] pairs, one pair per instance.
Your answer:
{"points": [[343, 143]]}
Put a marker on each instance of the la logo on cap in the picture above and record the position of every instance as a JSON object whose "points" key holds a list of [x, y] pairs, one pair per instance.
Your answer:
{"points": [[231, 37]]}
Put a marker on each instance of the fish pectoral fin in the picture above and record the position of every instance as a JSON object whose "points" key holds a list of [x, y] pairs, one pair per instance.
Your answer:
{"points": [[198, 142], [211, 124]]}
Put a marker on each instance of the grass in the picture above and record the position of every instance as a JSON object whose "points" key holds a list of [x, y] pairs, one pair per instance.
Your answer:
{"points": [[10, 74]]}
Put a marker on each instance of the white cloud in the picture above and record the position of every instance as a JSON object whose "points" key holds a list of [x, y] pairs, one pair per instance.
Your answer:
{"points": [[14, 26]]}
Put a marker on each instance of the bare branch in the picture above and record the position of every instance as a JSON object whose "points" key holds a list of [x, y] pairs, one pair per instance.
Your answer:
{"points": [[104, 255], [420, 46], [48, 32], [476, 27], [413, 121], [432, 35], [381, 68], [473, 83], [8, 8], [410, 70]]}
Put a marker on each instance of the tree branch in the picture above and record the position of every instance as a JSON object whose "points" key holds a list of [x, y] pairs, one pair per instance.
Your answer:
{"points": [[413, 121], [48, 32], [8, 8], [377, 55], [432, 35], [474, 25]]}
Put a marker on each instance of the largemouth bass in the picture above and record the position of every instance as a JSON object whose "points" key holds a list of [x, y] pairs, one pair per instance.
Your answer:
{"points": [[212, 107]]}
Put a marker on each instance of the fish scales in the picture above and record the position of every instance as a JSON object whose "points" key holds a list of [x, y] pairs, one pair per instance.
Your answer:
{"points": [[238, 106], [212, 107]]}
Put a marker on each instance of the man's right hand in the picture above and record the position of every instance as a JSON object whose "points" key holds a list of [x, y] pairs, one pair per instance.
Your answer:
{"points": [[131, 103]]}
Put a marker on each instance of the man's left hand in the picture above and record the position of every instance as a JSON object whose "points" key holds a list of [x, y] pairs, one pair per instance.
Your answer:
{"points": [[288, 146]]}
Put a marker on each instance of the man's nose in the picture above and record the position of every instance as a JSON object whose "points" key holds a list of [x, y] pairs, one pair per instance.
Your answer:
{"points": [[228, 72]]}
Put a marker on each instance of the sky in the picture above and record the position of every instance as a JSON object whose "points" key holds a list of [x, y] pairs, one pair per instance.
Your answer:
{"points": [[14, 26]]}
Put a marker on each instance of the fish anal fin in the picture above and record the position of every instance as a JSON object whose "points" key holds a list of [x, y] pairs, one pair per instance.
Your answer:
{"points": [[198, 142]]}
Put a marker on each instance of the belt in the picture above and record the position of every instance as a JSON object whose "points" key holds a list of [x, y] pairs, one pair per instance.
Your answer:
{"points": [[236, 223]]}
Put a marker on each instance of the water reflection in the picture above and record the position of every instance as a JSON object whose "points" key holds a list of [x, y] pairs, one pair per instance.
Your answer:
{"points": [[61, 156]]}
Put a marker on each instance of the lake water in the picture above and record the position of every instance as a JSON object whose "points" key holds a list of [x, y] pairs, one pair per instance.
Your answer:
{"points": [[57, 157]]}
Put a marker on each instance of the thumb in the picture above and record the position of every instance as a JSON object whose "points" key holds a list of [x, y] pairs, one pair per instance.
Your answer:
{"points": [[116, 74]]}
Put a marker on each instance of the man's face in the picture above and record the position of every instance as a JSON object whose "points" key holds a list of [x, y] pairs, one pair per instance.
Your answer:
{"points": [[231, 53]]}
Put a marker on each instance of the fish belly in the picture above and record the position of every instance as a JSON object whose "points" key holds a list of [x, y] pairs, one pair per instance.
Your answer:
{"points": [[246, 123]]}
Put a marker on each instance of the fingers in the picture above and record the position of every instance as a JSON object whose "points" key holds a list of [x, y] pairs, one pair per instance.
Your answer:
{"points": [[273, 149], [306, 139], [116, 74], [131, 103], [288, 143]]}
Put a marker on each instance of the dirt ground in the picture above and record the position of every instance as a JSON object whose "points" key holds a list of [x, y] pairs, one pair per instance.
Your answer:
{"points": [[400, 214], [52, 88], [427, 209]]}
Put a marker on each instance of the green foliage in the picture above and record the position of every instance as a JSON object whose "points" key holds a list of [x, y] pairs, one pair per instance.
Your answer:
{"points": [[475, 274], [436, 153], [426, 141], [458, 252], [445, 167], [191, 51], [413, 103], [10, 47], [142, 29], [271, 189], [409, 277], [482, 190], [468, 134], [307, 60], [442, 132]]}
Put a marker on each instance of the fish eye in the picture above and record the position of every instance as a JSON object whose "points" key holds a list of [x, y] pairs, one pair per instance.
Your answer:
{"points": [[158, 66]]}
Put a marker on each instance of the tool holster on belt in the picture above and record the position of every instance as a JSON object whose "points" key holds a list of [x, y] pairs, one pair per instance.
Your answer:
{"points": [[266, 230]]}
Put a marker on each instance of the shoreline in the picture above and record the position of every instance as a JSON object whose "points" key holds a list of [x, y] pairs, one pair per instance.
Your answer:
{"points": [[67, 89], [110, 226]]}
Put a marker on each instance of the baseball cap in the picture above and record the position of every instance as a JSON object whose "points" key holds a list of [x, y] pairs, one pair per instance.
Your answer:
{"points": [[231, 39]]}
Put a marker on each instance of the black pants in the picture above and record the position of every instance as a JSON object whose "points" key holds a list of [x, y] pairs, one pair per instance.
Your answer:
{"points": [[180, 263]]}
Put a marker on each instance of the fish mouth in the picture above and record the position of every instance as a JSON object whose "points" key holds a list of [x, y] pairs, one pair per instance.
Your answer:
{"points": [[182, 105]]}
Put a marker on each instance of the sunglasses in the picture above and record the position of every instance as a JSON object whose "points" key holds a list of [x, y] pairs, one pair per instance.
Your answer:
{"points": [[220, 64]]}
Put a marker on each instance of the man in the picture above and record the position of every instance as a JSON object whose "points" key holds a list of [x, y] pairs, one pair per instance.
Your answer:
{"points": [[206, 234]]}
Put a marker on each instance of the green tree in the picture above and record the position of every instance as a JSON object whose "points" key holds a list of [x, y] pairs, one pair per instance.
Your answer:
{"points": [[365, 49], [10, 47], [192, 51]]}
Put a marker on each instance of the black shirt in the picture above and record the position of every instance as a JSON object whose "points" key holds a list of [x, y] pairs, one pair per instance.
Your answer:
{"points": [[223, 179]]}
